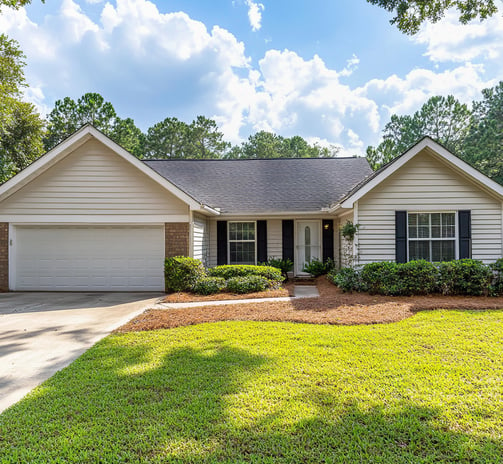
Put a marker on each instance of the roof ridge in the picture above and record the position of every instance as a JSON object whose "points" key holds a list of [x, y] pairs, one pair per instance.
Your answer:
{"points": [[256, 159]]}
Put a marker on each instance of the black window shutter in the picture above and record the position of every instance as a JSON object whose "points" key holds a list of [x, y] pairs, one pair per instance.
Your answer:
{"points": [[261, 241], [221, 242], [465, 234], [328, 239], [287, 235], [401, 236]]}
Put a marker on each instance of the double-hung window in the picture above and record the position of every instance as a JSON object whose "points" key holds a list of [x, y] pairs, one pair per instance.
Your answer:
{"points": [[242, 243], [432, 236]]}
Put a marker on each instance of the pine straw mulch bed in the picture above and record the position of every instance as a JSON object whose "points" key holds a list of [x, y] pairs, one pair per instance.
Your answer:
{"points": [[332, 307]]}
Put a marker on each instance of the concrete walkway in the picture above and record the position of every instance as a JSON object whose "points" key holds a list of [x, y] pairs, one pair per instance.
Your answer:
{"points": [[299, 291], [41, 333]]}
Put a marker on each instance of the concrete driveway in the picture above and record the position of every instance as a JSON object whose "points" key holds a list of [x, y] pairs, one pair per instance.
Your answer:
{"points": [[40, 333]]}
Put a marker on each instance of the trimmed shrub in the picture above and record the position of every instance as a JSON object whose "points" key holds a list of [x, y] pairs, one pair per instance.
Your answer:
{"points": [[464, 277], [181, 273], [347, 279], [247, 284], [209, 285], [318, 268], [417, 278], [284, 265], [497, 285], [228, 271], [381, 278]]}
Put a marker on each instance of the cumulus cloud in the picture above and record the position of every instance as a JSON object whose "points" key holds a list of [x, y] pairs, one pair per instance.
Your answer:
{"points": [[255, 14], [448, 40], [151, 65]]}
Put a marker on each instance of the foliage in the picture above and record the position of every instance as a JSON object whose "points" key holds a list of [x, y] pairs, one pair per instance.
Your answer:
{"points": [[265, 144], [417, 278], [444, 119], [347, 279], [410, 14], [69, 115], [181, 273], [349, 230], [247, 284], [464, 277], [21, 128], [173, 138], [381, 278], [228, 271], [284, 265], [426, 389], [208, 285], [317, 268], [16, 4], [484, 143], [458, 277]]}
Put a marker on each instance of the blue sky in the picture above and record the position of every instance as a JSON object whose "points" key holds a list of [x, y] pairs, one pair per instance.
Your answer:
{"points": [[332, 71]]}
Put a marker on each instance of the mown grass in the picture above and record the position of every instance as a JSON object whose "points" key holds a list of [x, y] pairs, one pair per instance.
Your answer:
{"points": [[428, 389]]}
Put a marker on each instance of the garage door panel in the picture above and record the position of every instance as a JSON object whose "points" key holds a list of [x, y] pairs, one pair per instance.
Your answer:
{"points": [[87, 258]]}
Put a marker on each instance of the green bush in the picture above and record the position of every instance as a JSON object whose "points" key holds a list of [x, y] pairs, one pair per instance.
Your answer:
{"points": [[247, 284], [417, 278], [497, 285], [318, 268], [381, 278], [228, 271], [347, 279], [209, 285], [465, 277], [181, 273], [284, 265]]}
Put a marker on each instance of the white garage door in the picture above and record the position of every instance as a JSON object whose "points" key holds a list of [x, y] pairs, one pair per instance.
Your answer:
{"points": [[116, 258]]}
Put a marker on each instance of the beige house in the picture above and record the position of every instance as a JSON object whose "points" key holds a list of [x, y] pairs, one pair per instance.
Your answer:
{"points": [[89, 216]]}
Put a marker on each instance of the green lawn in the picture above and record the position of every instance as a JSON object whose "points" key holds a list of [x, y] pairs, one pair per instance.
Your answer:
{"points": [[427, 389]]}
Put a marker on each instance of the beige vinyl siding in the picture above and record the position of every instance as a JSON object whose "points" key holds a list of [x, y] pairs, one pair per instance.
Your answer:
{"points": [[426, 184], [93, 180], [274, 238], [201, 239]]}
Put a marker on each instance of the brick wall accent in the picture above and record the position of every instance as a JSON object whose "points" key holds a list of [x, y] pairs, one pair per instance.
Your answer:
{"points": [[4, 256], [176, 236]]}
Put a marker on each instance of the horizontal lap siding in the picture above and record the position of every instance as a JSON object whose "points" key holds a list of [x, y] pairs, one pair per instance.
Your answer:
{"points": [[274, 238], [212, 261], [201, 239], [425, 184], [93, 180]]}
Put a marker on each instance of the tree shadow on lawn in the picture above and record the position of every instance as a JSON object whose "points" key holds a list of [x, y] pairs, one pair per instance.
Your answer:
{"points": [[122, 402]]}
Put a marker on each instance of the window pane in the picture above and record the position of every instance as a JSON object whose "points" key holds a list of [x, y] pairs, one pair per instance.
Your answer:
{"points": [[448, 225], [413, 225], [419, 249], [233, 227], [443, 250], [435, 225], [242, 252]]}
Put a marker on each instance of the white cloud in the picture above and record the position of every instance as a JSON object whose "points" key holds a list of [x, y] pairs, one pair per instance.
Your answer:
{"points": [[151, 65], [255, 14], [448, 40]]}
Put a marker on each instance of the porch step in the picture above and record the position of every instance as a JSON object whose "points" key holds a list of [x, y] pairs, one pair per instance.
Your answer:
{"points": [[305, 291]]}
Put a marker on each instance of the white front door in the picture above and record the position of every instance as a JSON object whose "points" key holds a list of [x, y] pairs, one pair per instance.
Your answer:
{"points": [[308, 244]]}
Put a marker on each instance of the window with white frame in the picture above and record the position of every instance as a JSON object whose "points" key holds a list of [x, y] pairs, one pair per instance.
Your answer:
{"points": [[242, 243], [432, 236]]}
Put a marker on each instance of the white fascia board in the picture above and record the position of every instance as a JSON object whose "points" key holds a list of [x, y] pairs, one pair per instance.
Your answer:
{"points": [[72, 143], [437, 150]]}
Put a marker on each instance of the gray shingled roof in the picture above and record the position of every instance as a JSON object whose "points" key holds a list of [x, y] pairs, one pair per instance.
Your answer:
{"points": [[265, 185]]}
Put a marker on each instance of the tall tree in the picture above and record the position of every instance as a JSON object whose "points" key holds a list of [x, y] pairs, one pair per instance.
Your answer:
{"points": [[444, 119], [265, 144], [21, 128], [205, 139], [484, 143], [68, 115], [410, 14]]}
